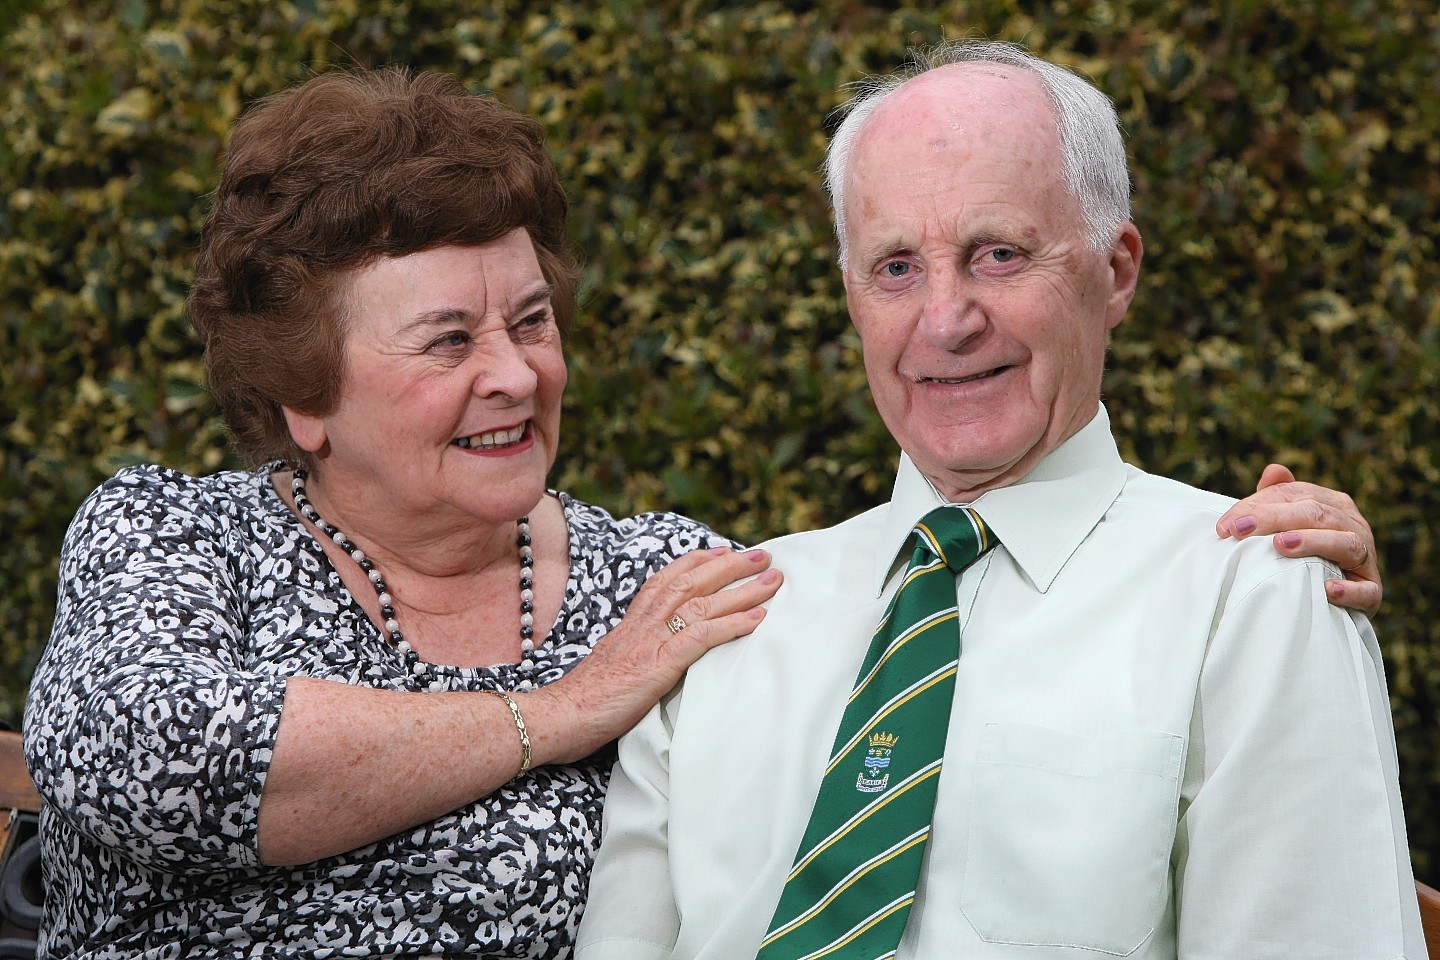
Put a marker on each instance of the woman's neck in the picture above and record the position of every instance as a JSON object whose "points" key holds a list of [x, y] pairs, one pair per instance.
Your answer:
{"points": [[456, 589]]}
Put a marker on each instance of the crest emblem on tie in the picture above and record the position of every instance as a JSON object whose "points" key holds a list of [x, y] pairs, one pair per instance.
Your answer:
{"points": [[874, 777]]}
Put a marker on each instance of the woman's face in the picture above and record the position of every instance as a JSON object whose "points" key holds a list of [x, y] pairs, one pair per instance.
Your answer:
{"points": [[453, 379]]}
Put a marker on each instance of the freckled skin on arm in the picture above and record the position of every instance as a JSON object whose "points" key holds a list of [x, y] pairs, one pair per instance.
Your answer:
{"points": [[386, 760]]}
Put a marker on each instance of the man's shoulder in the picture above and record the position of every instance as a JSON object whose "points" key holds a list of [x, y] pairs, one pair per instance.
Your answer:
{"points": [[1178, 520], [842, 547], [1168, 514], [1151, 492]]}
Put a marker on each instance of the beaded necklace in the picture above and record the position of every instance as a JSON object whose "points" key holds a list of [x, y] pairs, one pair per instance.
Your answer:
{"points": [[393, 632]]}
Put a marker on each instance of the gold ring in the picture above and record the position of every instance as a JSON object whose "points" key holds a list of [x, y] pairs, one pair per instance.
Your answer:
{"points": [[676, 623]]}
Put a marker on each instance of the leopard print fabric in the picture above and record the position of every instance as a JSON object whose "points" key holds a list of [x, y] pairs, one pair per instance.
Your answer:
{"points": [[184, 605]]}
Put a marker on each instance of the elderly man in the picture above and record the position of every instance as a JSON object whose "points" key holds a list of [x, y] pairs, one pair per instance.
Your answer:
{"points": [[1155, 743]]}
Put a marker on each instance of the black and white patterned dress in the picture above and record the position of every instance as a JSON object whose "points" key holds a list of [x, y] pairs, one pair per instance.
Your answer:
{"points": [[185, 603]]}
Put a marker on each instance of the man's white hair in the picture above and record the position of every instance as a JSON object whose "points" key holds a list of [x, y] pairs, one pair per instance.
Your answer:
{"points": [[1093, 153]]}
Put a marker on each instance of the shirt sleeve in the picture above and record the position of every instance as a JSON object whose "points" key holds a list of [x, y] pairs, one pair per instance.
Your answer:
{"points": [[1291, 841], [144, 728], [631, 912]]}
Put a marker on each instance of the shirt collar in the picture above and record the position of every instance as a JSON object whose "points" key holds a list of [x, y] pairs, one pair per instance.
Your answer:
{"points": [[1040, 519]]}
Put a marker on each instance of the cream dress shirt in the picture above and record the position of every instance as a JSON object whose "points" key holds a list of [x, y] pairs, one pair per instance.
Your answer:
{"points": [[1163, 744]]}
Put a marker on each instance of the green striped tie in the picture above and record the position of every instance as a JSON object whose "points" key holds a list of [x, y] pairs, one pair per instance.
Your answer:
{"points": [[853, 882]]}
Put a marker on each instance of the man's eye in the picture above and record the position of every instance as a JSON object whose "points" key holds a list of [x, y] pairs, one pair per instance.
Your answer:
{"points": [[896, 268], [1003, 255]]}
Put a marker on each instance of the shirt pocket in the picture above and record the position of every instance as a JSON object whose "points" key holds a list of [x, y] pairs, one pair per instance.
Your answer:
{"points": [[1070, 836]]}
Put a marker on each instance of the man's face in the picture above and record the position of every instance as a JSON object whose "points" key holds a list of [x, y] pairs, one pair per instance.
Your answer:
{"points": [[983, 313]]}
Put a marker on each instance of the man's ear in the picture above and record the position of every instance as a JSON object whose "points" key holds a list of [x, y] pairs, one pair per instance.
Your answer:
{"points": [[307, 430], [1125, 256]]}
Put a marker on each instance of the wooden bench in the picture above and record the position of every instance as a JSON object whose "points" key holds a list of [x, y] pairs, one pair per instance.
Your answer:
{"points": [[20, 892], [17, 793], [1430, 917]]}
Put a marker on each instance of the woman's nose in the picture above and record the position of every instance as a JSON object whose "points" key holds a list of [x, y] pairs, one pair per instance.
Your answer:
{"points": [[504, 371]]}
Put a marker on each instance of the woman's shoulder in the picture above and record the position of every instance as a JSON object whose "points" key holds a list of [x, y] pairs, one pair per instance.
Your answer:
{"points": [[146, 479], [660, 530], [149, 490]]}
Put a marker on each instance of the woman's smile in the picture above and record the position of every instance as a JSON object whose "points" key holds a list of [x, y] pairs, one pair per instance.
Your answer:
{"points": [[501, 439]]}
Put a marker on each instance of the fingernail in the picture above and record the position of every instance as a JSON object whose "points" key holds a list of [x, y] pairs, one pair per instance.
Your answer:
{"points": [[1290, 540], [769, 576], [1243, 525], [1335, 588], [755, 613], [757, 555], [717, 551]]}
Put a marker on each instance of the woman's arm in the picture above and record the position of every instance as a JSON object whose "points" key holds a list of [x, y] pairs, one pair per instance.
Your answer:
{"points": [[153, 727], [145, 728], [353, 765]]}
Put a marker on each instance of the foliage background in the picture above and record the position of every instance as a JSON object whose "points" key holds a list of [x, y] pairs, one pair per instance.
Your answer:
{"points": [[1285, 159]]}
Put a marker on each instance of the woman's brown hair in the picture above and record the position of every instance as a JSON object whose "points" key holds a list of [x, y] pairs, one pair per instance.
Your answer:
{"points": [[324, 179]]}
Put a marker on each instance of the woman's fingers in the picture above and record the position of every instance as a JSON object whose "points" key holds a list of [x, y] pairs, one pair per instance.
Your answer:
{"points": [[1352, 553], [721, 588], [693, 586], [721, 617], [1307, 520], [716, 599], [716, 594]]}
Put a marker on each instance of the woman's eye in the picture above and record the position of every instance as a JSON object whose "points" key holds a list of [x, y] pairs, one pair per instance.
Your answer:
{"points": [[530, 323], [455, 338]]}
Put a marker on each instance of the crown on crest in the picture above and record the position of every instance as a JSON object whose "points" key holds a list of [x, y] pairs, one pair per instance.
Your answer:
{"points": [[886, 740]]}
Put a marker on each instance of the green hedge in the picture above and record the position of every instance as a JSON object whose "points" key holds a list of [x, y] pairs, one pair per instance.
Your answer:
{"points": [[1286, 184]]}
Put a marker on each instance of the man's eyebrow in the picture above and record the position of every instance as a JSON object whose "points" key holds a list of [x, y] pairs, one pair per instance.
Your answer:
{"points": [[982, 237], [447, 316], [878, 250]]}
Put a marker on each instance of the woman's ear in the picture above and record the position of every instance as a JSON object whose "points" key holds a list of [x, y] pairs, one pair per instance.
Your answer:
{"points": [[307, 430]]}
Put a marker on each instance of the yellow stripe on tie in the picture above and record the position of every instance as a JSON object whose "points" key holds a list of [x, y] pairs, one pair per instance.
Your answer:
{"points": [[918, 777], [905, 696], [900, 641], [910, 575], [869, 922], [915, 839], [837, 864]]}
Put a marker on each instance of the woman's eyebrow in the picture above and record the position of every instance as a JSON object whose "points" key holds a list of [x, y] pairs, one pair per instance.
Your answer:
{"points": [[445, 316]]}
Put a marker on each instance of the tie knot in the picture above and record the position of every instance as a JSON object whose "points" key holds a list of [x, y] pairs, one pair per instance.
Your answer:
{"points": [[955, 534]]}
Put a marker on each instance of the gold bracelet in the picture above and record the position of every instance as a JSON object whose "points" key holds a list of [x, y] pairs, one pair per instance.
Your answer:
{"points": [[519, 728]]}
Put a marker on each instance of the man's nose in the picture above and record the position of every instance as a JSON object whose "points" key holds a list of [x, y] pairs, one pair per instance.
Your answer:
{"points": [[953, 313]]}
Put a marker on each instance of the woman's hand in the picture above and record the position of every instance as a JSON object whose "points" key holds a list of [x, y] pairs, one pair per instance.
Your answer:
{"points": [[392, 759], [640, 660], [1312, 521]]}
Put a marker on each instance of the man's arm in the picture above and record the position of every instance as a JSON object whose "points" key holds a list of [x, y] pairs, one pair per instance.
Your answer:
{"points": [[1291, 838], [630, 913], [1306, 520]]}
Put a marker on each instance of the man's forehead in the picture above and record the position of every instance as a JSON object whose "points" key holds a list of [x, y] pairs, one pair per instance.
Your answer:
{"points": [[957, 111], [962, 104], [960, 88]]}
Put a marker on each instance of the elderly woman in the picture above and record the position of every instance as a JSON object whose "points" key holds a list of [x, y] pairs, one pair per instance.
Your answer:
{"points": [[357, 701]]}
